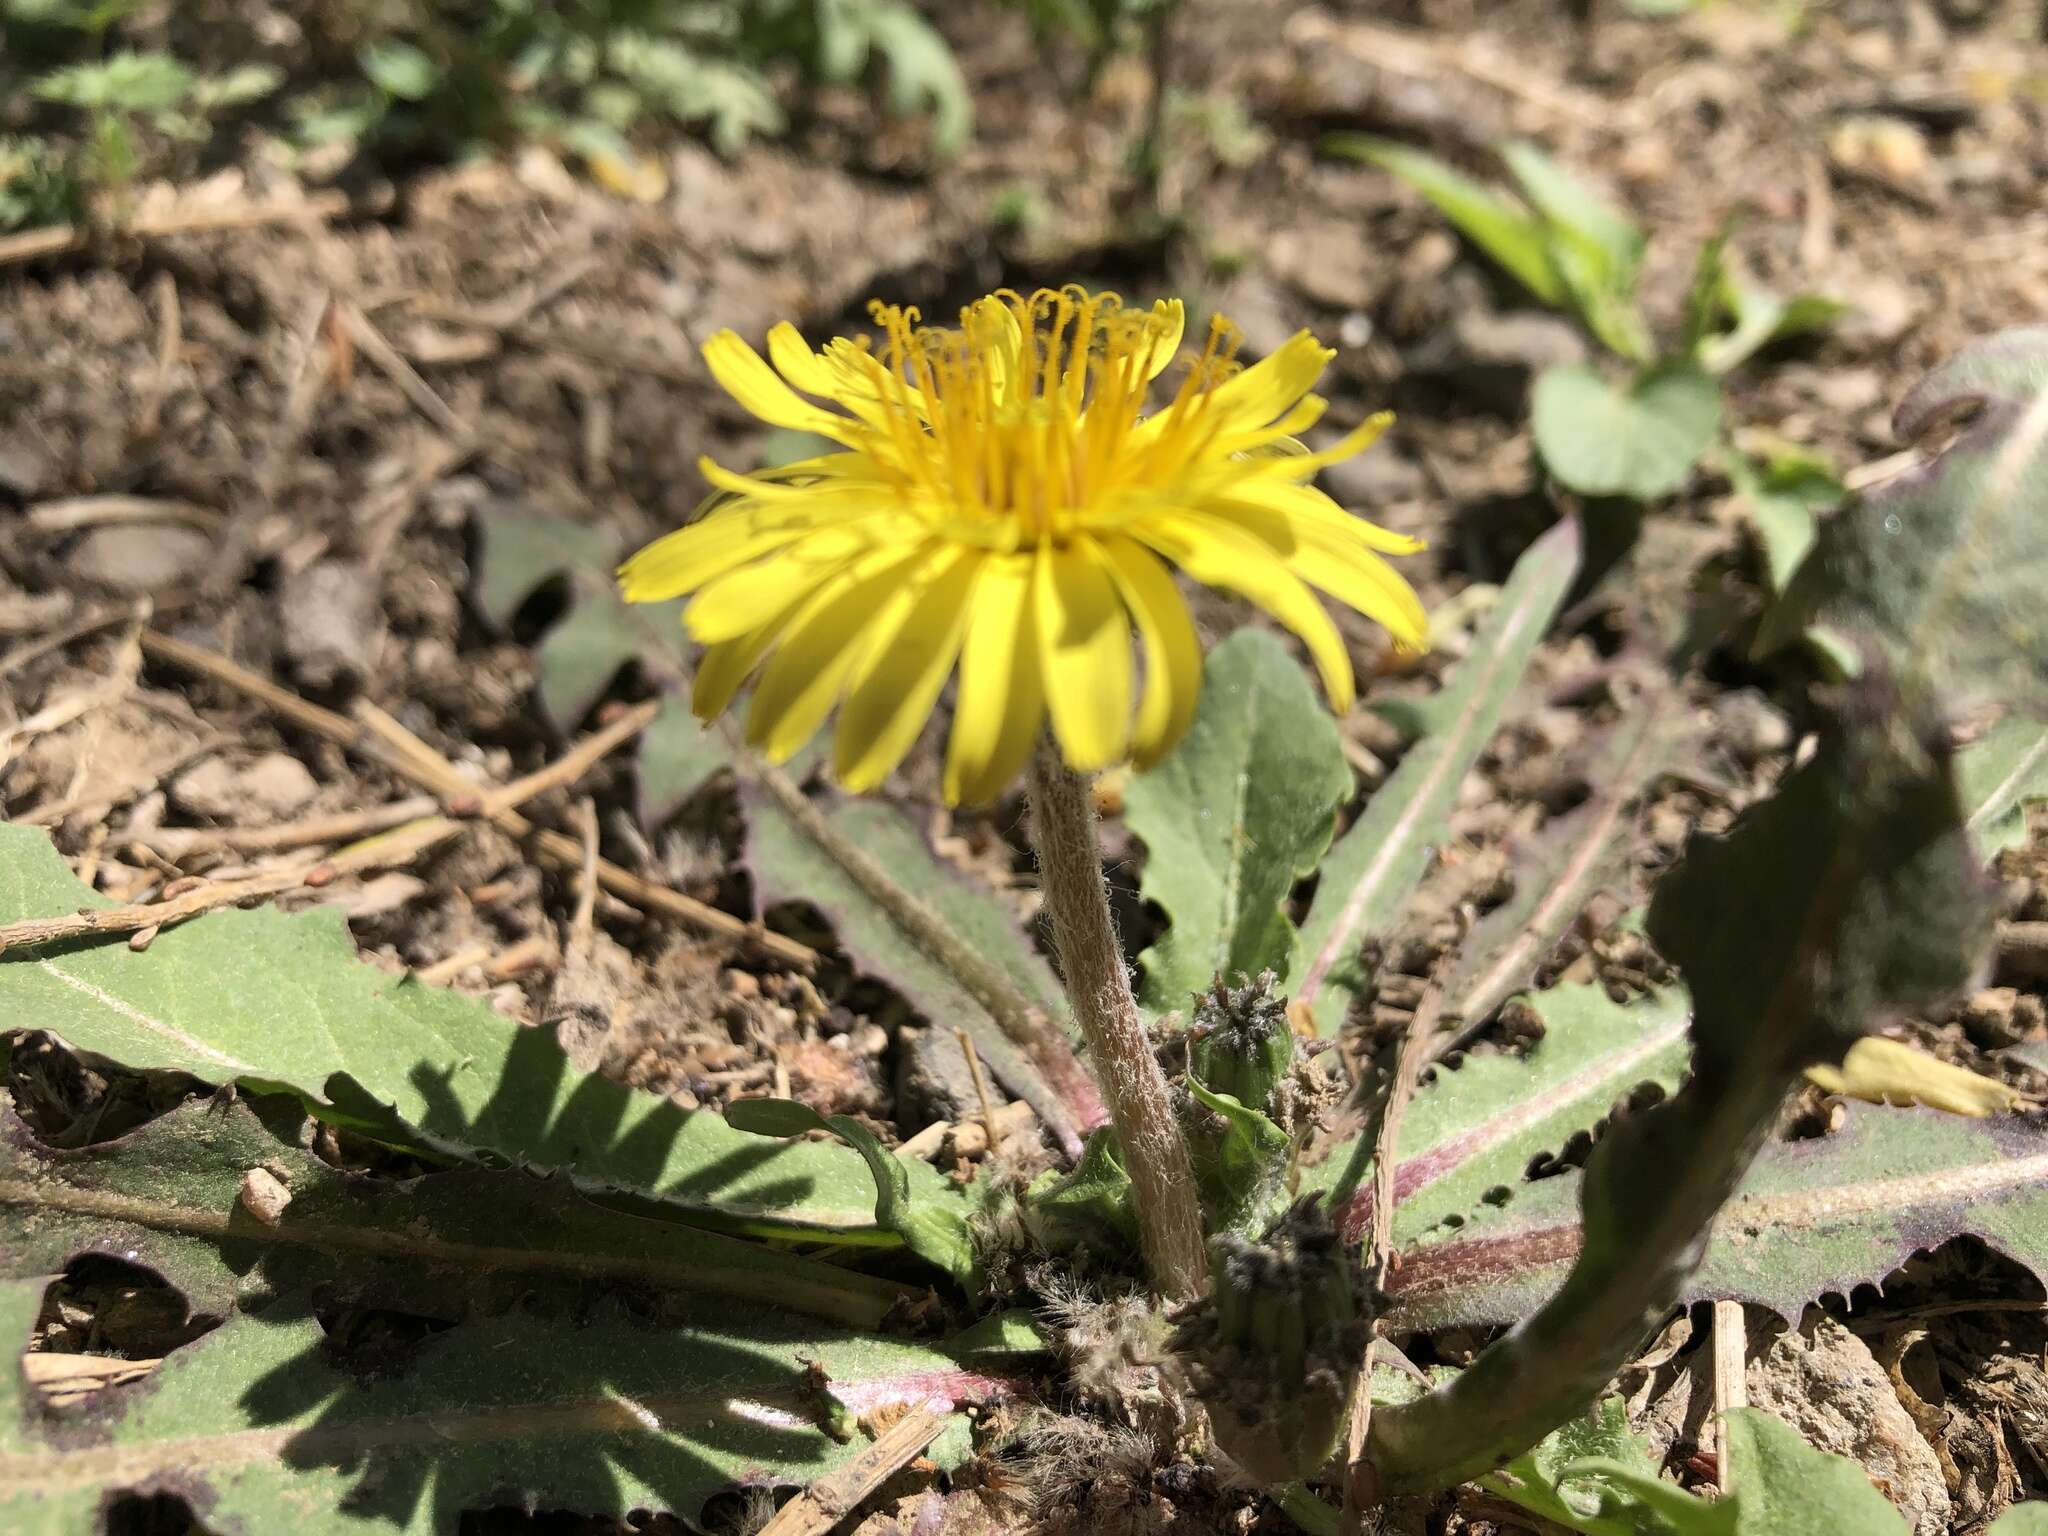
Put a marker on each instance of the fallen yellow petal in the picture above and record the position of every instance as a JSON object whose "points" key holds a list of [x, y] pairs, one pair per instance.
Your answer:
{"points": [[1892, 1072], [641, 178]]}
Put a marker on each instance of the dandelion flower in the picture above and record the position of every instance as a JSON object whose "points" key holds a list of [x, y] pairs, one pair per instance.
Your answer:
{"points": [[1003, 503]]}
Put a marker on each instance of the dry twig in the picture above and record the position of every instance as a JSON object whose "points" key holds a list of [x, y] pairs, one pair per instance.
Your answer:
{"points": [[421, 763], [385, 850], [392, 364], [170, 341], [56, 640], [427, 768], [516, 308], [1414, 1055], [76, 512], [988, 1109], [60, 239], [1731, 1387], [839, 1492], [183, 842]]}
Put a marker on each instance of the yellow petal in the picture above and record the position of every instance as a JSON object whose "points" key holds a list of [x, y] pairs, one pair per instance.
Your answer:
{"points": [[680, 562], [1001, 702], [1172, 316], [1084, 638], [1307, 504], [1274, 383], [1365, 582], [862, 383], [1222, 554], [1173, 651], [1892, 1072], [770, 488], [1349, 446], [796, 362], [744, 375], [904, 668], [845, 469], [1279, 439], [639, 177], [724, 667], [809, 669], [740, 600]]}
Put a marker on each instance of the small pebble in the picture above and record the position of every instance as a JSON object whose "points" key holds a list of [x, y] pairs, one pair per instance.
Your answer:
{"points": [[140, 557], [264, 1196]]}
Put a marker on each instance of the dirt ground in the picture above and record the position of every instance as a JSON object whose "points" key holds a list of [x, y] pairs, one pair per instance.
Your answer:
{"points": [[312, 416]]}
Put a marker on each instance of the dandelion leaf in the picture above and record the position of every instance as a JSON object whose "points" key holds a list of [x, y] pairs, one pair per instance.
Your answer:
{"points": [[1810, 1219], [1243, 808], [1474, 1128], [261, 1427], [598, 634], [1937, 573], [788, 865], [273, 1001], [1638, 439], [1594, 1476], [1375, 867]]}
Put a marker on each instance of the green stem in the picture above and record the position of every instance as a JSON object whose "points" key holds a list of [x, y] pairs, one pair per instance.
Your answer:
{"points": [[1556, 1361], [1301, 1504]]}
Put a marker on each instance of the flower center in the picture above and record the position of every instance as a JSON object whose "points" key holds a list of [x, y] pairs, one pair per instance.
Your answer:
{"points": [[1026, 422]]}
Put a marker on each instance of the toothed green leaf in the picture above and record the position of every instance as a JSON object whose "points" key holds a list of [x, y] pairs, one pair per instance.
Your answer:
{"points": [[446, 1244], [1811, 1218], [1474, 1129], [260, 1429], [278, 1002]]}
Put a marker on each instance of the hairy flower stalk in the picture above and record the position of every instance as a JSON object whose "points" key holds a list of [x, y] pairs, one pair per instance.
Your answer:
{"points": [[1099, 988], [1003, 507]]}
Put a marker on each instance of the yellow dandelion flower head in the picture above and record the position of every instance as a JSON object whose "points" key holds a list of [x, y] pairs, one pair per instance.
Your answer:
{"points": [[1003, 503]]}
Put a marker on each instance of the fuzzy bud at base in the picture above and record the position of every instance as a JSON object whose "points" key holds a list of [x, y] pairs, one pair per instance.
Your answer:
{"points": [[1240, 1042], [1275, 1350]]}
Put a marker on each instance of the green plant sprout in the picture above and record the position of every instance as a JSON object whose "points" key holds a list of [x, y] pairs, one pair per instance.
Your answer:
{"points": [[118, 95], [589, 79], [1641, 435]]}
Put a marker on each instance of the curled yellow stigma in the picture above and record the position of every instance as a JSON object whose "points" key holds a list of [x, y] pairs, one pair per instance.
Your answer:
{"points": [[1002, 503]]}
